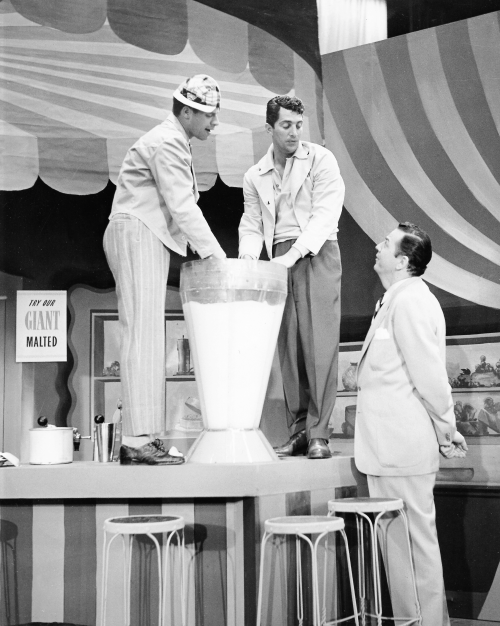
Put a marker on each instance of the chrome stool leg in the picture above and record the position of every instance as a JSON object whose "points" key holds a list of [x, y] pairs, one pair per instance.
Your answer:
{"points": [[378, 507], [302, 527], [261, 574]]}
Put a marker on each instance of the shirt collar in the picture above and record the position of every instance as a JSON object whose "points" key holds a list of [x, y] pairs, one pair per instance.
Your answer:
{"points": [[394, 287], [178, 126], [302, 152], [268, 160]]}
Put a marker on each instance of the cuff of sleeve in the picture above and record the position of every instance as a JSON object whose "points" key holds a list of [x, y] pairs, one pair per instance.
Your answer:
{"points": [[310, 242], [250, 244], [209, 250], [302, 249]]}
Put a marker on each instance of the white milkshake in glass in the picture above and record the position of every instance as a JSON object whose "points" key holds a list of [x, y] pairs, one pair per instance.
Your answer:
{"points": [[233, 310]]}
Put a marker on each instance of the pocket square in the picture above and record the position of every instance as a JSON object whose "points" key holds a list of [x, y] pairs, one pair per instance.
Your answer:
{"points": [[381, 333]]}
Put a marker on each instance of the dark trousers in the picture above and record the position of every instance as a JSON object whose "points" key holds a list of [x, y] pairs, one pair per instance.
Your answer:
{"points": [[308, 342]]}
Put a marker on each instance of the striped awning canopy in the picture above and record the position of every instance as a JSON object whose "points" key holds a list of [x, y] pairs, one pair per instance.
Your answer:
{"points": [[81, 81], [415, 122]]}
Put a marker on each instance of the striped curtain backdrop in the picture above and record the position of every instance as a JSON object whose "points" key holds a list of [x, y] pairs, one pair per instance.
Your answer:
{"points": [[414, 122]]}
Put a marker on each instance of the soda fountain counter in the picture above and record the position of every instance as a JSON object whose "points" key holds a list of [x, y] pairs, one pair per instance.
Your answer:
{"points": [[52, 517]]}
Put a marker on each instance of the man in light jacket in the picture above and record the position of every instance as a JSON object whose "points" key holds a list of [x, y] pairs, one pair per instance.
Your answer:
{"points": [[293, 201], [405, 417], [154, 211]]}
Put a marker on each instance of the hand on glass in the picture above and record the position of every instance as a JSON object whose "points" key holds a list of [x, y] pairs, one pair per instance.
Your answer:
{"points": [[288, 259], [216, 255]]}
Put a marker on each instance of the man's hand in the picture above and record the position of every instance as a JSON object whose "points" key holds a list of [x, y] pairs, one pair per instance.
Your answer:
{"points": [[289, 258], [456, 449], [459, 441], [216, 255], [247, 257]]}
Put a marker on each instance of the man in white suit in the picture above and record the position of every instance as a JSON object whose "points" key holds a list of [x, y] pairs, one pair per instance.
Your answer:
{"points": [[405, 416], [293, 201], [154, 211]]}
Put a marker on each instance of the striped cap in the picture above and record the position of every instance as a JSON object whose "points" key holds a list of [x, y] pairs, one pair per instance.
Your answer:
{"points": [[199, 92]]}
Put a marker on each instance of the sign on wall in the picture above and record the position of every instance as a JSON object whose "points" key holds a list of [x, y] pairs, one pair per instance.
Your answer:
{"points": [[41, 326]]}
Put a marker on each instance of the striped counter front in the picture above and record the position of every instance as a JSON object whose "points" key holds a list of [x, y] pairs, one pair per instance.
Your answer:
{"points": [[51, 534]]}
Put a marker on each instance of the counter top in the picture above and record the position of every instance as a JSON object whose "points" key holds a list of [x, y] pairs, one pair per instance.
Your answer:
{"points": [[87, 479], [481, 466]]}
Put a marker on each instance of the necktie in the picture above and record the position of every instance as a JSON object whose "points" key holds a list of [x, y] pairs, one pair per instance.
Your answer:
{"points": [[378, 306], [192, 168]]}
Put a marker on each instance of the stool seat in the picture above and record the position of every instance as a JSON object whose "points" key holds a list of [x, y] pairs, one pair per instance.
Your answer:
{"points": [[143, 524], [365, 505], [171, 529], [305, 524]]}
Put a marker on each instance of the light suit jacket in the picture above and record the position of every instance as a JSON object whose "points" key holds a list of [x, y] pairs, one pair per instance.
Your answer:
{"points": [[157, 185], [317, 196], [404, 406]]}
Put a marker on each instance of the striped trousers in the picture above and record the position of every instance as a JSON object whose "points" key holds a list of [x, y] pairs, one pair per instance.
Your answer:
{"points": [[140, 262]]}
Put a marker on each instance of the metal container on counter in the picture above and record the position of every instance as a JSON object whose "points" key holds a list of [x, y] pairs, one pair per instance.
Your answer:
{"points": [[50, 445]]}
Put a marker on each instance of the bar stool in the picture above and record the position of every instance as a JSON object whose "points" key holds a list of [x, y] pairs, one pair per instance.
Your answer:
{"points": [[301, 526], [169, 526], [361, 508]]}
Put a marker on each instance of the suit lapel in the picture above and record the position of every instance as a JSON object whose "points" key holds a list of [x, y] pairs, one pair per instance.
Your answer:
{"points": [[371, 331], [195, 185], [301, 169], [264, 181], [382, 314], [264, 178], [264, 186]]}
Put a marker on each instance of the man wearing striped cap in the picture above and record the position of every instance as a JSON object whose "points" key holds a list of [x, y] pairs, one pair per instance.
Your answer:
{"points": [[154, 212]]}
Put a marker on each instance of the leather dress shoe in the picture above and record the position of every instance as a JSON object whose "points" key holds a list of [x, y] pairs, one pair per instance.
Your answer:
{"points": [[297, 444], [153, 453], [318, 449]]}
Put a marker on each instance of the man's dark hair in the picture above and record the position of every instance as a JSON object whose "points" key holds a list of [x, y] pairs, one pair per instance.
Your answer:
{"points": [[177, 107], [416, 245], [285, 102]]}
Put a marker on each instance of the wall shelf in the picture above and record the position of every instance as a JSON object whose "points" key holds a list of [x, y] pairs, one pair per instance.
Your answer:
{"points": [[105, 390]]}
